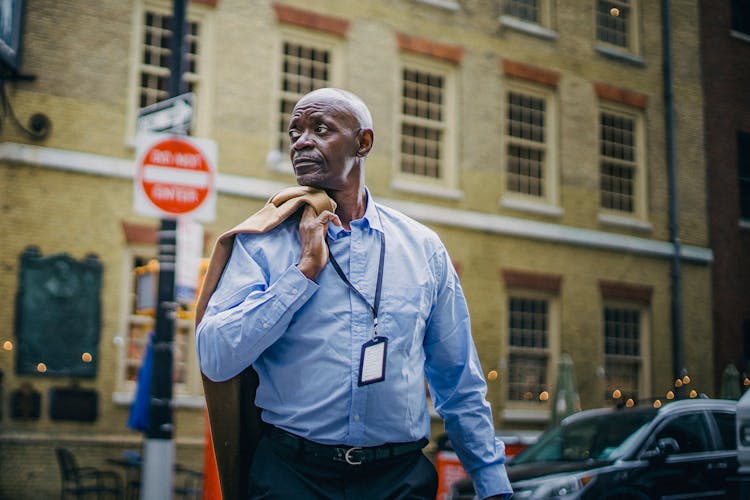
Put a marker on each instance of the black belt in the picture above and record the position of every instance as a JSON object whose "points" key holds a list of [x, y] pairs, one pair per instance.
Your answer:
{"points": [[352, 455]]}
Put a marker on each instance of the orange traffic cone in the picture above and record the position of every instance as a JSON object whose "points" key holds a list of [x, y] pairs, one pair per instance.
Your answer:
{"points": [[211, 486]]}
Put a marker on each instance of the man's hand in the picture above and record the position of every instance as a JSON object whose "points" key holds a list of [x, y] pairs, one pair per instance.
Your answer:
{"points": [[312, 235]]}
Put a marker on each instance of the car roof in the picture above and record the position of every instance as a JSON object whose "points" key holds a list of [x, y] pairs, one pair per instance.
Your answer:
{"points": [[666, 408]]}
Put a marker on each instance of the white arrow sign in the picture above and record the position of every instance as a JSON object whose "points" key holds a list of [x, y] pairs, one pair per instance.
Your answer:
{"points": [[170, 115]]}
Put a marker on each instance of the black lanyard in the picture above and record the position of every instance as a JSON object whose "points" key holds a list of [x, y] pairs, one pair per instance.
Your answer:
{"points": [[378, 286]]}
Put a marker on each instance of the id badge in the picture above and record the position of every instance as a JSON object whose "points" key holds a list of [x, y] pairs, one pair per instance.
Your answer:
{"points": [[372, 361]]}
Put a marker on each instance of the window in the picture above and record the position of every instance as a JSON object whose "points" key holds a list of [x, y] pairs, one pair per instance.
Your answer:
{"points": [[303, 69], [743, 178], [622, 352], [530, 156], [528, 352], [425, 114], [536, 12], [727, 424], [741, 16], [690, 432], [621, 187], [616, 24], [139, 322], [306, 64], [152, 58], [155, 74]]}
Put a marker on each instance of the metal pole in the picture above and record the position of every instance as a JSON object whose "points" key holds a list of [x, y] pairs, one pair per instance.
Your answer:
{"points": [[678, 355], [158, 462]]}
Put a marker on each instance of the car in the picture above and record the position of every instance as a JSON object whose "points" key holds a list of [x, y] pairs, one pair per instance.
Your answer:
{"points": [[679, 449]]}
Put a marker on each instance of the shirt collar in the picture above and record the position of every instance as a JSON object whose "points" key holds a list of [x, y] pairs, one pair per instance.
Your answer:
{"points": [[371, 218]]}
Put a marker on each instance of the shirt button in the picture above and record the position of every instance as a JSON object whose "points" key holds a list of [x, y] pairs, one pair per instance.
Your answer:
{"points": [[294, 291], [265, 324], [356, 418]]}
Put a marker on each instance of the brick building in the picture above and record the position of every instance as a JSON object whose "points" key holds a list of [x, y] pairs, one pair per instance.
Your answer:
{"points": [[529, 135], [725, 49]]}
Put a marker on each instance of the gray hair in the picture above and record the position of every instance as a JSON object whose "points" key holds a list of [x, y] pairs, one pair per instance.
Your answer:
{"points": [[353, 102]]}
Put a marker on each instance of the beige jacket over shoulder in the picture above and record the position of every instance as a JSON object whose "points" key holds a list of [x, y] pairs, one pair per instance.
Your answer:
{"points": [[234, 420]]}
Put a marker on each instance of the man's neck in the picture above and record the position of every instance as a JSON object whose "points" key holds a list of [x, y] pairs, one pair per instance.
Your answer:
{"points": [[350, 205]]}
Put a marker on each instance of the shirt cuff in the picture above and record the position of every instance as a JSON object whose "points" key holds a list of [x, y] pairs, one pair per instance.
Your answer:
{"points": [[293, 285], [491, 480]]}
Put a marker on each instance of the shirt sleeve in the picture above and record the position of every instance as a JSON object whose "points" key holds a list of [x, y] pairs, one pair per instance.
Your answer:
{"points": [[458, 386], [247, 313]]}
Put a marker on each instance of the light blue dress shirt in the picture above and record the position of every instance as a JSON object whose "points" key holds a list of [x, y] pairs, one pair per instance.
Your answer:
{"points": [[304, 338]]}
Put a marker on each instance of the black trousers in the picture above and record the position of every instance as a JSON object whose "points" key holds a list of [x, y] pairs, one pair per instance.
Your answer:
{"points": [[279, 472]]}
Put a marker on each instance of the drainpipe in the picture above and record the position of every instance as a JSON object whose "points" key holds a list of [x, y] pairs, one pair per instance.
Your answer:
{"points": [[678, 354]]}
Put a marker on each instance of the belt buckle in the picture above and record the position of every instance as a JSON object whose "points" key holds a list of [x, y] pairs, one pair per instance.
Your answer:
{"points": [[348, 458]]}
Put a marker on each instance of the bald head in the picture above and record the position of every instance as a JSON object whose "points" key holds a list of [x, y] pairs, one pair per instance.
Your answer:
{"points": [[350, 102]]}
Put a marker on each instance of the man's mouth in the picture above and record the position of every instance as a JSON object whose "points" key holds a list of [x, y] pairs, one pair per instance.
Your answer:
{"points": [[305, 163]]}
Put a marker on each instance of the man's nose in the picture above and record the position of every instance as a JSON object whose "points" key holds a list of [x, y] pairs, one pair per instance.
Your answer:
{"points": [[303, 141]]}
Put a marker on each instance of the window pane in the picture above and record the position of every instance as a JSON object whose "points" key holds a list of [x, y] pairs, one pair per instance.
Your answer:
{"points": [[726, 422], [156, 54], [617, 167], [689, 431], [529, 337], [526, 148], [420, 150], [622, 351], [303, 69], [528, 10], [612, 28], [423, 114]]}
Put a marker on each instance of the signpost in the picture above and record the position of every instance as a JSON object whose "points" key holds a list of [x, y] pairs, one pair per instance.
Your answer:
{"points": [[170, 115], [175, 176]]}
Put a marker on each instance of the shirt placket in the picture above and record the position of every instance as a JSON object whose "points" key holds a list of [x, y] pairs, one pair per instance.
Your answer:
{"points": [[361, 274]]}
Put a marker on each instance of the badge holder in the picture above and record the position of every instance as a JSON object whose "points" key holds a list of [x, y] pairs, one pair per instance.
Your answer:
{"points": [[372, 361]]}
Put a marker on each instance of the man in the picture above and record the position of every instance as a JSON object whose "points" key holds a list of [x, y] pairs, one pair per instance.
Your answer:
{"points": [[342, 350]]}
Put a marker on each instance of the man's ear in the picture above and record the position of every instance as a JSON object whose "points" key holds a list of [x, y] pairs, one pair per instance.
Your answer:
{"points": [[365, 137]]}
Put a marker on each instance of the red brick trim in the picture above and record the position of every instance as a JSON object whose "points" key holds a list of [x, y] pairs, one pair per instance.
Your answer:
{"points": [[626, 291], [210, 3], [144, 234], [312, 20], [530, 73], [533, 281], [425, 47], [624, 96], [148, 234]]}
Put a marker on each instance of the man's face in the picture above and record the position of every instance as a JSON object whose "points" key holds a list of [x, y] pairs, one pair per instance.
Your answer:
{"points": [[323, 143]]}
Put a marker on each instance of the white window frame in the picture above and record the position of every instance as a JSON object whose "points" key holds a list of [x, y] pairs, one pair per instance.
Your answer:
{"points": [[445, 186], [533, 410], [186, 394], [277, 160], [633, 29], [549, 202], [644, 372], [638, 218], [203, 103]]}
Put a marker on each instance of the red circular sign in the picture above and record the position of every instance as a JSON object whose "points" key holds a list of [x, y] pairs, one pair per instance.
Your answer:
{"points": [[175, 176]]}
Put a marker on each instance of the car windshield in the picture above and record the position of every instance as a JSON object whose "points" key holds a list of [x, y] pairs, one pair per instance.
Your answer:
{"points": [[601, 436]]}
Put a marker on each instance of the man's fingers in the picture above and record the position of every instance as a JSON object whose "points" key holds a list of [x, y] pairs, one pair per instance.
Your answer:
{"points": [[327, 216]]}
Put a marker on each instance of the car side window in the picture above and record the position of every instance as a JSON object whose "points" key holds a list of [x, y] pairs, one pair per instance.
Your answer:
{"points": [[726, 421], [690, 432]]}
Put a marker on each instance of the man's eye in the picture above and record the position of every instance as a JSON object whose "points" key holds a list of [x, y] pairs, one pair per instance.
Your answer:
{"points": [[321, 129], [293, 134]]}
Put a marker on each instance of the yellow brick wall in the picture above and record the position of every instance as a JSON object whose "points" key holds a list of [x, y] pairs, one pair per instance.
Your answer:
{"points": [[81, 54]]}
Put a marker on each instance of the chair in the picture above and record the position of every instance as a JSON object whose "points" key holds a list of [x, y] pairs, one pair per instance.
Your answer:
{"points": [[191, 485], [83, 481]]}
